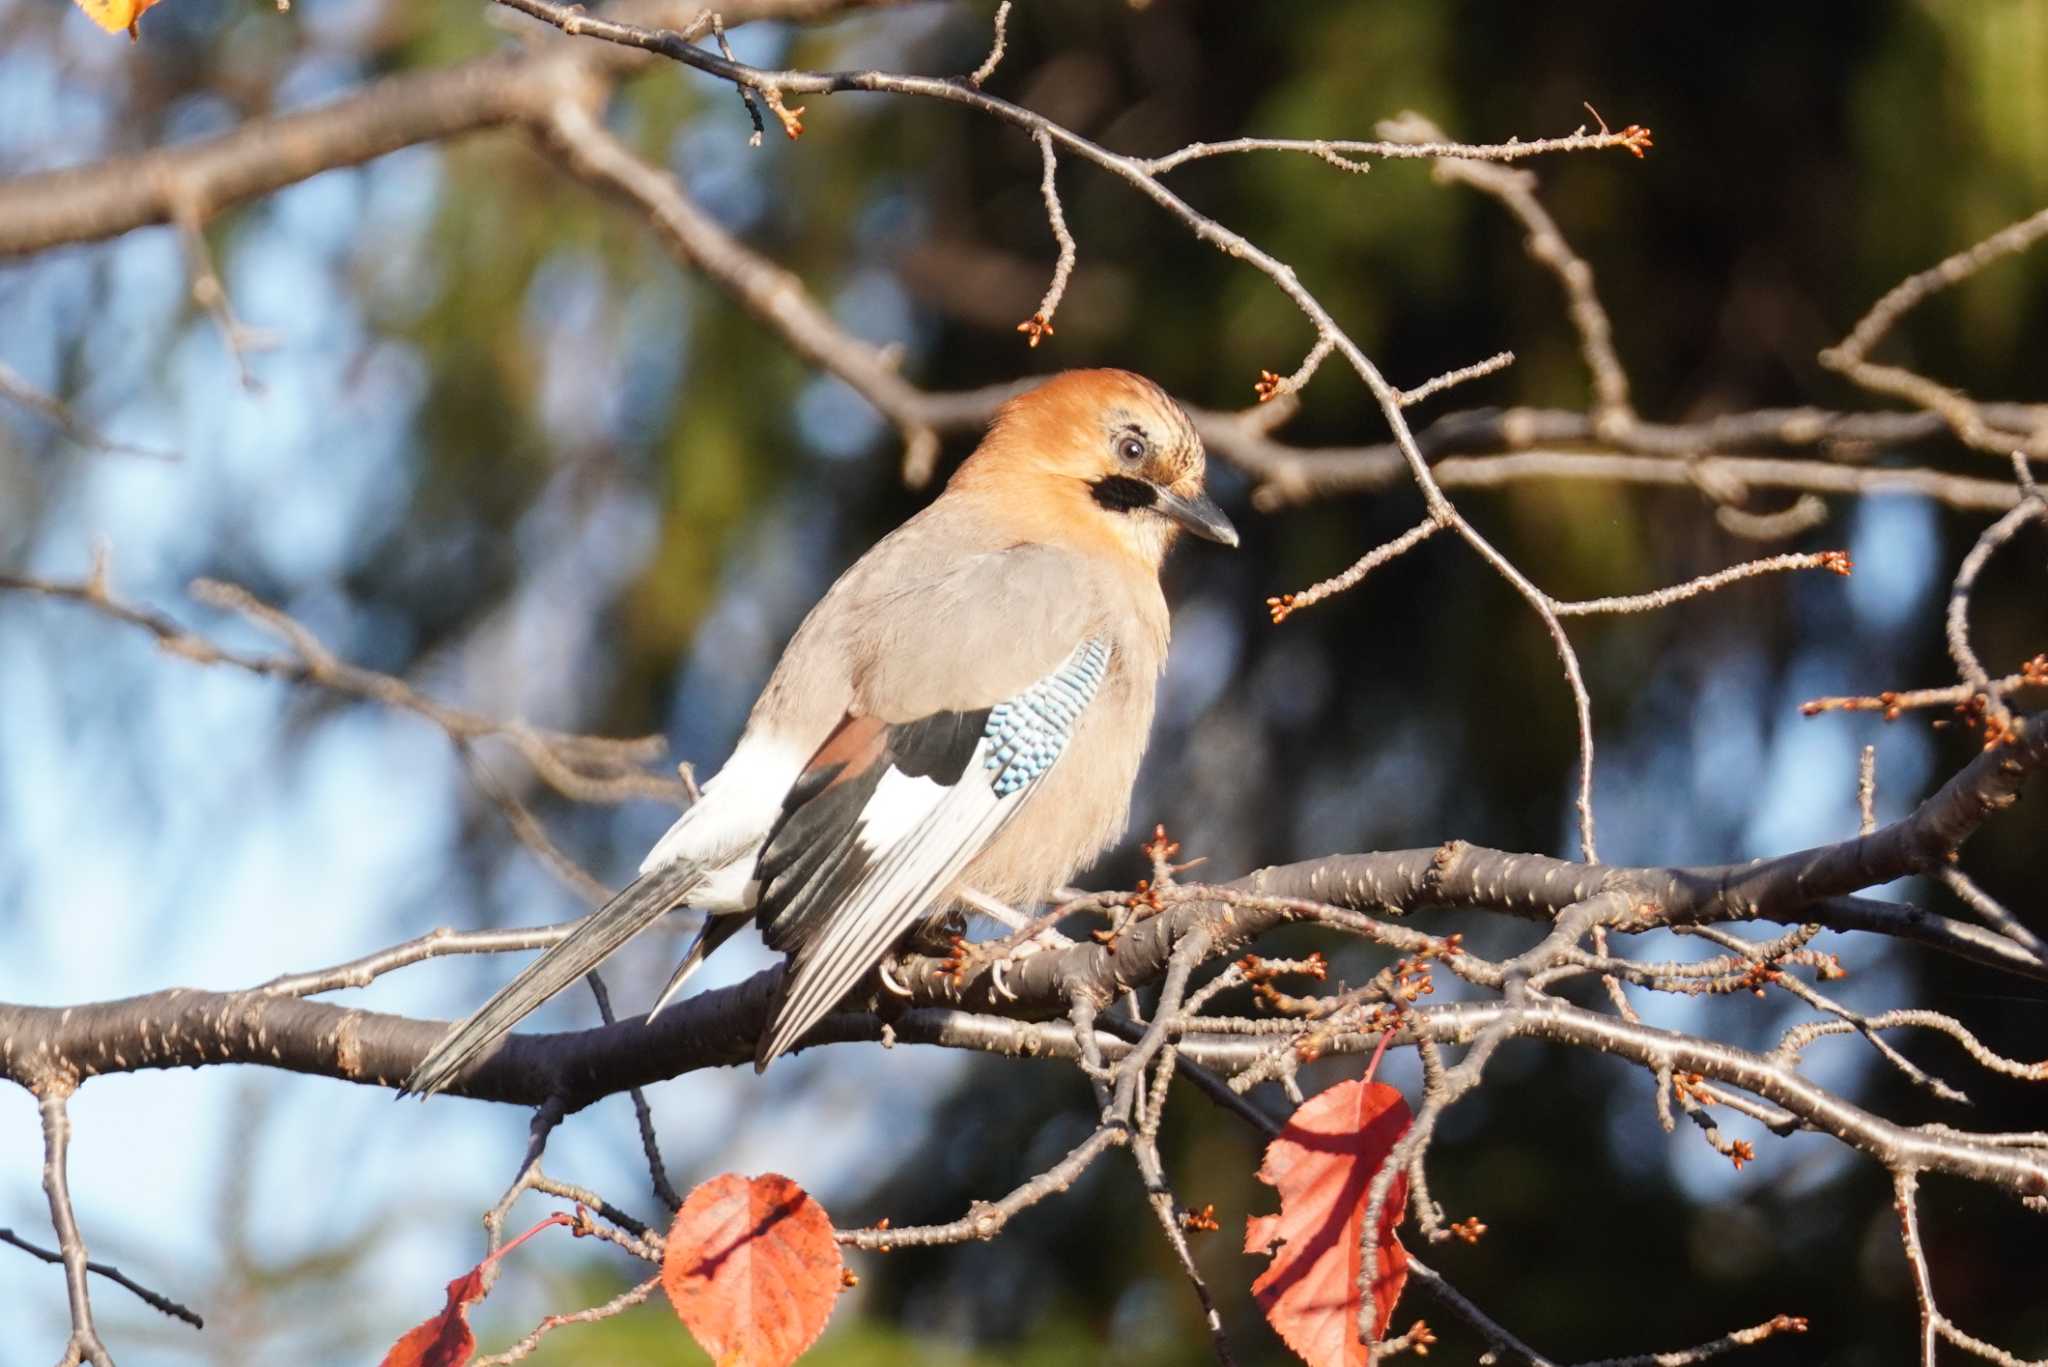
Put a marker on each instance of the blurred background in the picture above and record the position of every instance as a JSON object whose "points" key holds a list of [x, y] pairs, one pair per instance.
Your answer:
{"points": [[504, 448]]}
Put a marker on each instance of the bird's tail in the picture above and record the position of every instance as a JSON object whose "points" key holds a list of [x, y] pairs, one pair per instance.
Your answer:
{"points": [[715, 932], [587, 946]]}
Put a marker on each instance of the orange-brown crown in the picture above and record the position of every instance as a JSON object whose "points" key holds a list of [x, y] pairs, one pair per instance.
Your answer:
{"points": [[1098, 458]]}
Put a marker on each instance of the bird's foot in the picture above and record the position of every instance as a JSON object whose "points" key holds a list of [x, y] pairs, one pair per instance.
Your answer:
{"points": [[886, 971]]}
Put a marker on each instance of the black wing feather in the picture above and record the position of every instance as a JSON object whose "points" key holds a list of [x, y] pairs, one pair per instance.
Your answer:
{"points": [[813, 855]]}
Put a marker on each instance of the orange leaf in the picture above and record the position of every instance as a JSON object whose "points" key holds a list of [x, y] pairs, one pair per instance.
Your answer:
{"points": [[752, 1269], [446, 1340], [1323, 1163], [115, 15]]}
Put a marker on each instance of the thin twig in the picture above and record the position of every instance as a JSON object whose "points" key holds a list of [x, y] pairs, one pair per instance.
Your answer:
{"points": [[1998, 721], [13, 386], [1991, 913], [979, 76], [1837, 561], [84, 1343], [642, 1113], [985, 1219], [527, 830], [432, 945], [1969, 419], [625, 1300], [150, 1298], [212, 295], [1039, 325], [1516, 190], [584, 768], [1632, 138], [1287, 604], [1450, 379]]}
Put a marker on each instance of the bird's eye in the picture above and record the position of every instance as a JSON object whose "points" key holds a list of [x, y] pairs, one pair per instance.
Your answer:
{"points": [[1131, 448]]}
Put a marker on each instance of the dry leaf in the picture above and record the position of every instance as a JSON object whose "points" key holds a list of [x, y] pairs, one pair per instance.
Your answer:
{"points": [[752, 1269], [1322, 1164], [446, 1340]]}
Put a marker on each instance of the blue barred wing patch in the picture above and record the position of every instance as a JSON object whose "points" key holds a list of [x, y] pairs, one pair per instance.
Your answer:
{"points": [[1026, 734]]}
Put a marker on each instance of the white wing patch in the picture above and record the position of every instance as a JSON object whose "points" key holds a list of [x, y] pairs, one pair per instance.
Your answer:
{"points": [[724, 829], [922, 837]]}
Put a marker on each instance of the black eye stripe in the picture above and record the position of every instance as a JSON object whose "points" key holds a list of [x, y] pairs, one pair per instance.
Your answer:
{"points": [[1121, 493]]}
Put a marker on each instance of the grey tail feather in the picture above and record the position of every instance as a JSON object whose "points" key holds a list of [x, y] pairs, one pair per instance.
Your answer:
{"points": [[585, 947], [716, 931], [786, 1027], [778, 1036]]}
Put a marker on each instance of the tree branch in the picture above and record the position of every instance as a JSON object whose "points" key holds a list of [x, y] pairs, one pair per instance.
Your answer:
{"points": [[103, 199]]}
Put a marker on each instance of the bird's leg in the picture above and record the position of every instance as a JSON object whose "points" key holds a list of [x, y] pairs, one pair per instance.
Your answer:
{"points": [[1029, 936], [886, 971], [994, 908], [1043, 937], [937, 934]]}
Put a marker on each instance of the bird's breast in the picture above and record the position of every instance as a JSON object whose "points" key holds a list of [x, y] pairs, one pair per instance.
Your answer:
{"points": [[1084, 803]]}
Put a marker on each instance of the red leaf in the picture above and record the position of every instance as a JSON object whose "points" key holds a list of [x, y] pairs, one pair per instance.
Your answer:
{"points": [[752, 1269], [1323, 1164], [446, 1340]]}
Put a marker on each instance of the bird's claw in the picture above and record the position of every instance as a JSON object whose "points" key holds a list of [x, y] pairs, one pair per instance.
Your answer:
{"points": [[886, 971], [997, 972]]}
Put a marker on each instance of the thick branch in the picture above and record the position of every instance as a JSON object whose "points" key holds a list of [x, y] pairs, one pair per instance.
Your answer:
{"points": [[182, 1027], [100, 200], [86, 203]]}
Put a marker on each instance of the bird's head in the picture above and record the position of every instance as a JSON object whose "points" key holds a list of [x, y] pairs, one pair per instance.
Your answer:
{"points": [[1107, 454]]}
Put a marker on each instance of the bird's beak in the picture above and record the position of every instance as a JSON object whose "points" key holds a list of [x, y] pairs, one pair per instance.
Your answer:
{"points": [[1199, 515]]}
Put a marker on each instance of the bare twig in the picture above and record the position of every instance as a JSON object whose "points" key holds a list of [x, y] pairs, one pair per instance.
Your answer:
{"points": [[1287, 604], [152, 1299], [642, 1113], [1836, 561], [2034, 674], [1632, 138], [1450, 379], [586, 768], [1998, 721], [624, 1301], [432, 945], [84, 1344], [986, 1218], [49, 406], [212, 295], [1517, 191], [1291, 475], [1713, 1348], [1990, 912], [979, 76], [1970, 421], [1039, 325]]}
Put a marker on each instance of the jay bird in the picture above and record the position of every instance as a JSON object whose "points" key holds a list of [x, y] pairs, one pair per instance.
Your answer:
{"points": [[965, 707]]}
